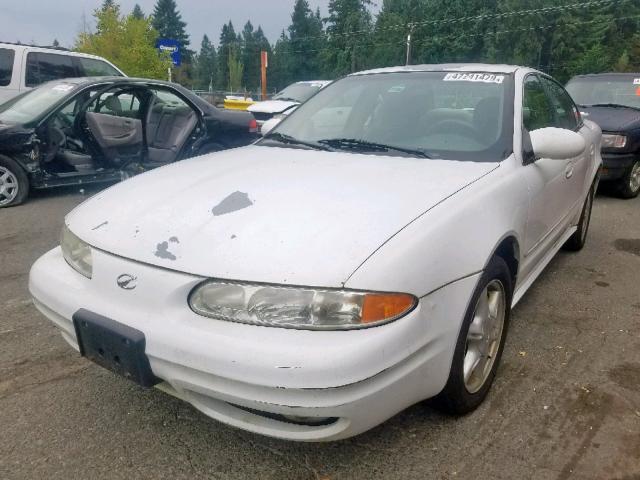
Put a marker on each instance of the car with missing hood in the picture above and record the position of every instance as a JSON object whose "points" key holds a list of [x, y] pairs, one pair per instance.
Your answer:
{"points": [[284, 102], [316, 283], [612, 100], [87, 130]]}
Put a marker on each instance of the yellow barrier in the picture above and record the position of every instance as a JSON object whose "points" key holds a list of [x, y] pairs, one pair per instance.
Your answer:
{"points": [[234, 104]]}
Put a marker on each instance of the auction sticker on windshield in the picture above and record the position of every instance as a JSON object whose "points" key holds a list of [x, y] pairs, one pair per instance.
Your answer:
{"points": [[473, 77], [636, 81]]}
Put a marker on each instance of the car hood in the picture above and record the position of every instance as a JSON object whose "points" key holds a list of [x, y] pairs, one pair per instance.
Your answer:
{"points": [[267, 214], [614, 119], [272, 106]]}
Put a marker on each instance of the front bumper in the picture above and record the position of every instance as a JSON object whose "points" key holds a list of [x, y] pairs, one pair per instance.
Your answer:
{"points": [[271, 381], [616, 165]]}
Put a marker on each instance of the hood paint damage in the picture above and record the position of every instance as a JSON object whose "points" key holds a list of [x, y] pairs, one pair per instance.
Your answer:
{"points": [[266, 214]]}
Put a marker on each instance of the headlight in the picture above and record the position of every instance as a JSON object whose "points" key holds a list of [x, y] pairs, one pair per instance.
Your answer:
{"points": [[614, 141], [76, 252], [302, 308]]}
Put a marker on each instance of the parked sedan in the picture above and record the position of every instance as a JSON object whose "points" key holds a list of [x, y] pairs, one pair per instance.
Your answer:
{"points": [[612, 100], [80, 130], [311, 286], [286, 101]]}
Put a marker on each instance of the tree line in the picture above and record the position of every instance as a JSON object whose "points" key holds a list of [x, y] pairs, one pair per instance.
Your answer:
{"points": [[564, 39]]}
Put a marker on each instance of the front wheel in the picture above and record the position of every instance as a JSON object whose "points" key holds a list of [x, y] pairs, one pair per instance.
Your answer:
{"points": [[480, 343], [629, 185], [14, 183]]}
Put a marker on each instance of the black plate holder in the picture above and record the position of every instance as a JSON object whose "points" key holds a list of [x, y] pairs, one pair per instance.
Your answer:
{"points": [[114, 346]]}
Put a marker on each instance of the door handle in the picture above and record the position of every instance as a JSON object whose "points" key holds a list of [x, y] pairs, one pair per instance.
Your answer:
{"points": [[568, 172]]}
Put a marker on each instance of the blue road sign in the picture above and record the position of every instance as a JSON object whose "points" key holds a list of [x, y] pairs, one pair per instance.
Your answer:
{"points": [[172, 47]]}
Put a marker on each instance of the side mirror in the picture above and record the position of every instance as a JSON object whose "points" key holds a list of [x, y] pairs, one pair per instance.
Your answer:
{"points": [[269, 125], [556, 143]]}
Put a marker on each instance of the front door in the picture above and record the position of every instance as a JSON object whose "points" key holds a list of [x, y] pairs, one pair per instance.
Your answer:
{"points": [[551, 194]]}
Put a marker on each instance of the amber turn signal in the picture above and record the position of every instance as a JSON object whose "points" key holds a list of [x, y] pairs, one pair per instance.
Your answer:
{"points": [[378, 307]]}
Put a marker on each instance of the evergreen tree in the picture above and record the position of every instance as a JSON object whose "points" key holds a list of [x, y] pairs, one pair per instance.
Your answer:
{"points": [[280, 66], [306, 36], [55, 43], [168, 22], [137, 12], [349, 27], [111, 9], [206, 65], [250, 58], [228, 44]]}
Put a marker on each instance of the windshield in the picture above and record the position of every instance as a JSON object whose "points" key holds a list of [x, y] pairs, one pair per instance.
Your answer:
{"points": [[606, 89], [461, 116], [31, 105], [298, 92]]}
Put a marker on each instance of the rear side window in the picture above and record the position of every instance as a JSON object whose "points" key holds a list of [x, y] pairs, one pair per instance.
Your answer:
{"points": [[43, 67], [566, 113], [536, 109], [6, 66], [97, 68]]}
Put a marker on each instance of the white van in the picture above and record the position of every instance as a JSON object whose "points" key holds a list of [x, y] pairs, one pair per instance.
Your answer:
{"points": [[23, 67]]}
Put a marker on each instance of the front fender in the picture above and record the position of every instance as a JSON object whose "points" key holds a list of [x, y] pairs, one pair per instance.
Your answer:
{"points": [[454, 240]]}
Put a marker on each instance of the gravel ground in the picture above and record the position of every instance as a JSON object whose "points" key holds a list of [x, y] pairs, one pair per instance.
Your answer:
{"points": [[566, 403]]}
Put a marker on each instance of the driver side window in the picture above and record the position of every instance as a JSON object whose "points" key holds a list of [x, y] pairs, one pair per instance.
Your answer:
{"points": [[537, 111]]}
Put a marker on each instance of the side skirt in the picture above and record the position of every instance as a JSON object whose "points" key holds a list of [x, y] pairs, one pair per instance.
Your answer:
{"points": [[535, 273]]}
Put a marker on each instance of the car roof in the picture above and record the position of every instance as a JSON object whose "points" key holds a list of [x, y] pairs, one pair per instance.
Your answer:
{"points": [[311, 82], [448, 67], [85, 81], [607, 74], [48, 49]]}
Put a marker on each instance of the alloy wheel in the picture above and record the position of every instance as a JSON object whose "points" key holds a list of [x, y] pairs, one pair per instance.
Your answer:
{"points": [[484, 336], [8, 186], [634, 177]]}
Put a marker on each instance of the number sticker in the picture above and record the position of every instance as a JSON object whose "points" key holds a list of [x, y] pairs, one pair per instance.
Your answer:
{"points": [[474, 77]]}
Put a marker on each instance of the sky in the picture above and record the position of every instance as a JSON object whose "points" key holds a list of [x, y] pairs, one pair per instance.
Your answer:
{"points": [[42, 21]]}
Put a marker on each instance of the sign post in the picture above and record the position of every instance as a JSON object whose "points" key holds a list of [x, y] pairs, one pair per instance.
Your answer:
{"points": [[264, 64], [172, 47]]}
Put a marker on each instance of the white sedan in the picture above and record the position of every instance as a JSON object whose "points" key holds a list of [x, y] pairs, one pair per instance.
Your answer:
{"points": [[362, 257]]}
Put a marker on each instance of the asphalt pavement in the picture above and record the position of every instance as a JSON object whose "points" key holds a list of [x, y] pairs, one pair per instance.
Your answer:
{"points": [[565, 405]]}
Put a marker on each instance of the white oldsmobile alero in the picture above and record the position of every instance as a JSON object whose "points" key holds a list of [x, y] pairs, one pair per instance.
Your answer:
{"points": [[362, 257]]}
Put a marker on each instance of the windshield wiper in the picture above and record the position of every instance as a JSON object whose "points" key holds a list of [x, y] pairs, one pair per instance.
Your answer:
{"points": [[612, 105], [288, 139], [287, 99], [366, 146]]}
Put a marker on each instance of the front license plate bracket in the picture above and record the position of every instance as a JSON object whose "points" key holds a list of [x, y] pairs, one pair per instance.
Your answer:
{"points": [[114, 346]]}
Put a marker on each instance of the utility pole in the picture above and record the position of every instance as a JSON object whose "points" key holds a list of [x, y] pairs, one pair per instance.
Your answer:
{"points": [[409, 44]]}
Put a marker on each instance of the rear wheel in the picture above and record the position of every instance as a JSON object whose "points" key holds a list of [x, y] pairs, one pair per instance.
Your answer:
{"points": [[14, 183], [579, 237], [480, 343], [629, 185]]}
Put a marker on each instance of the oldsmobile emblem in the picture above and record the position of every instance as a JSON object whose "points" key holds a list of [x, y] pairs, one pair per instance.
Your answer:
{"points": [[127, 282]]}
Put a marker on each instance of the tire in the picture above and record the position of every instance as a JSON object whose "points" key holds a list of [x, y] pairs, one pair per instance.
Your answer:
{"points": [[629, 185], [14, 183], [466, 389], [579, 237]]}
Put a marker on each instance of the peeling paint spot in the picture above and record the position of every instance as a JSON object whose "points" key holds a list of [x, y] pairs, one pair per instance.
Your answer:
{"points": [[289, 367], [232, 203], [163, 251], [233, 236], [101, 225], [174, 240]]}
